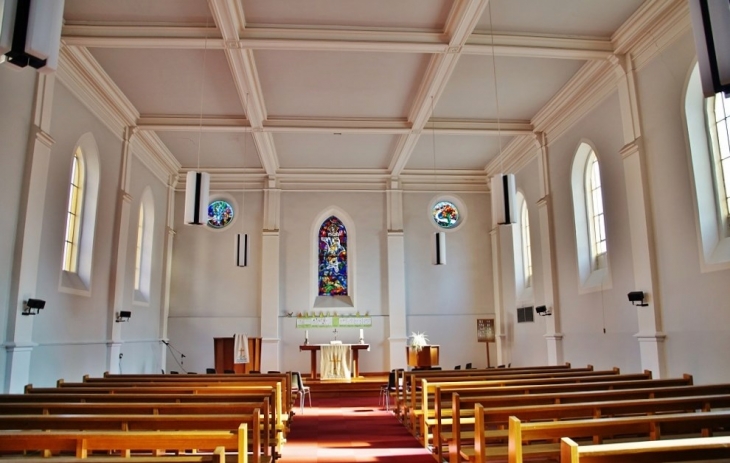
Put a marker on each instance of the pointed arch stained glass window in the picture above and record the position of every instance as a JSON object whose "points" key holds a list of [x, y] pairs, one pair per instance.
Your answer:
{"points": [[332, 258]]}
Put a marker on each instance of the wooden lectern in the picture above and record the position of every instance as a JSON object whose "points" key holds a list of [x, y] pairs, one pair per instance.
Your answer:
{"points": [[428, 356], [223, 350]]}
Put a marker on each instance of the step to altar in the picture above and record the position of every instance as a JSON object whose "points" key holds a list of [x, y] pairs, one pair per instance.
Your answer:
{"points": [[365, 385]]}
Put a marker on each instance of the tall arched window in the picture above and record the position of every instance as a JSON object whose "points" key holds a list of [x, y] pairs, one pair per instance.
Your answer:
{"points": [[74, 214], [718, 120], [80, 215], [590, 221], [332, 258], [526, 246], [707, 134], [143, 251], [138, 253], [594, 209]]}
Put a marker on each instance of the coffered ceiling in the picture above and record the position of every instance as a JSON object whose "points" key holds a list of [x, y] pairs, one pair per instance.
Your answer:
{"points": [[326, 89]]}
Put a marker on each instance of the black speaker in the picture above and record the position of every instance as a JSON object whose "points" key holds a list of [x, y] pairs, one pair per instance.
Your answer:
{"points": [[711, 28]]}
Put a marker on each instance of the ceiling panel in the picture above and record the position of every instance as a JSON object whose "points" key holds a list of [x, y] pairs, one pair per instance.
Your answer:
{"points": [[524, 85], [169, 81], [339, 85], [330, 151], [371, 14], [446, 151], [133, 11], [217, 149], [596, 18]]}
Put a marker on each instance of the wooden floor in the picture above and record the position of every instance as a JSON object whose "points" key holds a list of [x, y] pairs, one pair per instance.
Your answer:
{"points": [[368, 384]]}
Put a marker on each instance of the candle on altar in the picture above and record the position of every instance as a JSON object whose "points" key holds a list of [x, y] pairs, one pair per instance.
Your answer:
{"points": [[306, 334], [361, 337]]}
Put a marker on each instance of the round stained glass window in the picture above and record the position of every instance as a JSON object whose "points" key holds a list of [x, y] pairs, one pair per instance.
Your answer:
{"points": [[220, 214], [446, 214]]}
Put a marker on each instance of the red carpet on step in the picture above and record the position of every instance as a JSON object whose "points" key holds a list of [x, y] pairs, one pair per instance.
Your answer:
{"points": [[350, 429]]}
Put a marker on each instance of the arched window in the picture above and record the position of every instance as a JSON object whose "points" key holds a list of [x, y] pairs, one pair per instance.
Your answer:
{"points": [[718, 108], [707, 134], [74, 214], [143, 254], [332, 258], [138, 253], [80, 216], [594, 209], [526, 246], [590, 220]]}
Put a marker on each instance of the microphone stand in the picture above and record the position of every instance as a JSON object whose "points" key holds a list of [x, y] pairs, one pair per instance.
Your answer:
{"points": [[172, 353]]}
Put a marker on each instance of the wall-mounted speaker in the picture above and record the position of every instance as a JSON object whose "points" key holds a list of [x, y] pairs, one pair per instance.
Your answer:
{"points": [[241, 250], [440, 248]]}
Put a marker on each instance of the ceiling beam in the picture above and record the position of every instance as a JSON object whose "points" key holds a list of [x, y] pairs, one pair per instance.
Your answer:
{"points": [[269, 38], [462, 20], [362, 126], [228, 17]]}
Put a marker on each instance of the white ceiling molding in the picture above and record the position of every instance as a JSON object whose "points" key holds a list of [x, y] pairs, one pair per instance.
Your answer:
{"points": [[88, 82], [150, 150], [462, 20], [243, 67], [538, 46], [311, 125], [596, 80], [515, 156]]}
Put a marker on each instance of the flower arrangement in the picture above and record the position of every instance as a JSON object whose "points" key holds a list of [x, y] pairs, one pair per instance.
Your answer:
{"points": [[418, 341]]}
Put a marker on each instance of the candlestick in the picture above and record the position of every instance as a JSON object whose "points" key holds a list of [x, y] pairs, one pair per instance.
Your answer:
{"points": [[306, 337]]}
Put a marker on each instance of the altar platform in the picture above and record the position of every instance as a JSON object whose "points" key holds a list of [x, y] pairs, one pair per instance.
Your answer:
{"points": [[367, 384]]}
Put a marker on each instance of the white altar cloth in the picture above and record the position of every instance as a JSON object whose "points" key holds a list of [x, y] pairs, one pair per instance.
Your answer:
{"points": [[335, 361]]}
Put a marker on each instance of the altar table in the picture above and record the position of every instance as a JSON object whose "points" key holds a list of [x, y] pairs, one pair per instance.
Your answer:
{"points": [[314, 350]]}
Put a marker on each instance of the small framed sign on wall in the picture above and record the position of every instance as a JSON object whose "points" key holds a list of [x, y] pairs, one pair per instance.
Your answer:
{"points": [[485, 330], [486, 334]]}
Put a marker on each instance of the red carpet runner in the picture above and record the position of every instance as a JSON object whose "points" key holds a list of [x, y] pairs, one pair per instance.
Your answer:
{"points": [[350, 429]]}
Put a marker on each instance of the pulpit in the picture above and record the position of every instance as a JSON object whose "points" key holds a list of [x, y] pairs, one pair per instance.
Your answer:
{"points": [[224, 355], [427, 357]]}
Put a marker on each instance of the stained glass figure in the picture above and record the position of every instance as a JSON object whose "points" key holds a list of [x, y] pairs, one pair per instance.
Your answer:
{"points": [[446, 214], [332, 258], [220, 214]]}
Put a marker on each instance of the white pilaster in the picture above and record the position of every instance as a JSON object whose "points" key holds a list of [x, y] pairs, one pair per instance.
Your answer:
{"points": [[638, 197], [397, 336], [119, 265], [553, 337], [19, 343], [167, 262], [270, 284], [505, 292]]}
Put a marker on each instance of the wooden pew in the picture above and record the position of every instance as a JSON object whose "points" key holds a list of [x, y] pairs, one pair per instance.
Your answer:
{"points": [[598, 429], [285, 378], [422, 404], [277, 426], [136, 423], [461, 414], [274, 392], [659, 451], [408, 378], [217, 456], [80, 443], [150, 408]]}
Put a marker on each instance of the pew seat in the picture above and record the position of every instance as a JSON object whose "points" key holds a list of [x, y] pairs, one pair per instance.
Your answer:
{"points": [[690, 449]]}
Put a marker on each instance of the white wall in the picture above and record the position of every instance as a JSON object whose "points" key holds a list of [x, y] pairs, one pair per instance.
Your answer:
{"points": [[368, 265], [16, 105], [585, 316], [528, 346], [71, 332], [694, 304], [444, 301], [210, 297]]}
